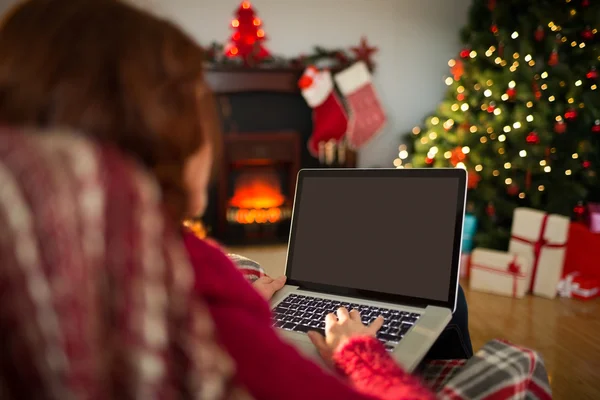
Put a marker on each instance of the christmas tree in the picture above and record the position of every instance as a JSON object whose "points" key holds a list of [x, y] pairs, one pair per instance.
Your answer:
{"points": [[522, 112], [246, 41]]}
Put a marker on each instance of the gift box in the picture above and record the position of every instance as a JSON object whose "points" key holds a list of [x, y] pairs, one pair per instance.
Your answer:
{"points": [[500, 272], [594, 217], [543, 238], [583, 251], [465, 263], [578, 286]]}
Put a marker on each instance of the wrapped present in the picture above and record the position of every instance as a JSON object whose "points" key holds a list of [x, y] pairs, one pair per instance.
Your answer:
{"points": [[543, 238], [499, 272], [594, 217], [469, 230], [465, 263], [583, 251], [578, 286]]}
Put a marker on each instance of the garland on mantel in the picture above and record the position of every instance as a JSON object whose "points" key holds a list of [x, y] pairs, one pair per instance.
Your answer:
{"points": [[321, 57]]}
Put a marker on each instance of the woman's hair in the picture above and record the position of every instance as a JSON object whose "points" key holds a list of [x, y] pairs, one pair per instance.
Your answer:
{"points": [[112, 72]]}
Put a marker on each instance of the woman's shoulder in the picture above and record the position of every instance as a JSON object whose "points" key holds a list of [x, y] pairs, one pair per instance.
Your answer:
{"points": [[204, 249]]}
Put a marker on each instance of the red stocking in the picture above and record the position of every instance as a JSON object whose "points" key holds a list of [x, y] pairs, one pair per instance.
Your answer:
{"points": [[367, 115], [329, 116]]}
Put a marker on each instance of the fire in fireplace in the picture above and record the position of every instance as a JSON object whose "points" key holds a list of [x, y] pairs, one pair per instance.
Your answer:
{"points": [[258, 198]]}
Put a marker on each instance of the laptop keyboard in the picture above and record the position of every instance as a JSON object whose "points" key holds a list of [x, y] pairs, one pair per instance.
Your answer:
{"points": [[306, 313]]}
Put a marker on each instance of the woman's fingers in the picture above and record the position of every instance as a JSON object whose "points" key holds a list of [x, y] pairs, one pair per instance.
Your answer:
{"points": [[330, 320], [342, 314], [376, 325], [355, 315]]}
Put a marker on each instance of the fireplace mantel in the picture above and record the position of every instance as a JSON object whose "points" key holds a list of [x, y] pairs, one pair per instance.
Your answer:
{"points": [[225, 81]]}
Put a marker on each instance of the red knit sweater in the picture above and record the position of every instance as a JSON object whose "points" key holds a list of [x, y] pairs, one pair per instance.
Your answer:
{"points": [[272, 369]]}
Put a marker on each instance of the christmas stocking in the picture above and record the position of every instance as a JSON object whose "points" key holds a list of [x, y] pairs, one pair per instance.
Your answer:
{"points": [[330, 120], [367, 117]]}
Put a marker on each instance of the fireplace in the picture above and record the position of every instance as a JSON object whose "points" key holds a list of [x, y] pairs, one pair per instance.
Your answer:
{"points": [[256, 186], [266, 125]]}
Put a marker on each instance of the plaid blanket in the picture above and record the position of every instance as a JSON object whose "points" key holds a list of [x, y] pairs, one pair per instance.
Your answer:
{"points": [[499, 371]]}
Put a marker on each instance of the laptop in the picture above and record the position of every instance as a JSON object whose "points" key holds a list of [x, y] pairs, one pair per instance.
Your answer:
{"points": [[382, 241]]}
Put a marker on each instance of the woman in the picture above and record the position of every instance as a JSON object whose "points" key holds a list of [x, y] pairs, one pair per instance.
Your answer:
{"points": [[128, 79]]}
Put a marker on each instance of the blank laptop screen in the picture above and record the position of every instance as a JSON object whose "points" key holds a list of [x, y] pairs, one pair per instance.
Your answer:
{"points": [[393, 235]]}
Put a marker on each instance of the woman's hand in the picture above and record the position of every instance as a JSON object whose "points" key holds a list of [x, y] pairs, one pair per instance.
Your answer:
{"points": [[340, 329], [267, 286]]}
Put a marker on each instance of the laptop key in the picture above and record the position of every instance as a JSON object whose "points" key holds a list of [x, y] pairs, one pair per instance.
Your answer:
{"points": [[302, 328], [288, 326]]}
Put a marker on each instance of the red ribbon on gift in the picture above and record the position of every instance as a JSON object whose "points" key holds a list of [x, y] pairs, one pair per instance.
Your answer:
{"points": [[513, 269], [538, 245]]}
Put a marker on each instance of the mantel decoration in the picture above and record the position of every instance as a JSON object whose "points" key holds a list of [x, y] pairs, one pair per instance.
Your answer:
{"points": [[246, 49]]}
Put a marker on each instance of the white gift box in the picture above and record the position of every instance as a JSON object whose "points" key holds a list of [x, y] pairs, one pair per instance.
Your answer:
{"points": [[543, 238], [500, 272]]}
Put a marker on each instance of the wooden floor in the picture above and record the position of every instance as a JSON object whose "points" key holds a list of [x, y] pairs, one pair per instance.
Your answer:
{"points": [[565, 332]]}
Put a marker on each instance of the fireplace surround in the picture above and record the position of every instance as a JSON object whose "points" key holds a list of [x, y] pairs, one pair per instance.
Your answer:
{"points": [[266, 124]]}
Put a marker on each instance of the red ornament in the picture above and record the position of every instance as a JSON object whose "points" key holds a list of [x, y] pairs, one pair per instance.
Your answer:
{"points": [[571, 114], [246, 41], [579, 211], [512, 190], [494, 29], [560, 127], [491, 107], [532, 138], [457, 156], [586, 164], [491, 5], [511, 92], [596, 127], [457, 69], [585, 3], [593, 74], [464, 53], [428, 160], [587, 34], [539, 33], [490, 210], [364, 52], [460, 97], [553, 60], [473, 179]]}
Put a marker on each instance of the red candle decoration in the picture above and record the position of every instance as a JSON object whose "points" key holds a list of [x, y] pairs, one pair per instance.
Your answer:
{"points": [[596, 127], [560, 127], [490, 210], [553, 60], [539, 33], [592, 74], [246, 41], [571, 114], [532, 138]]}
